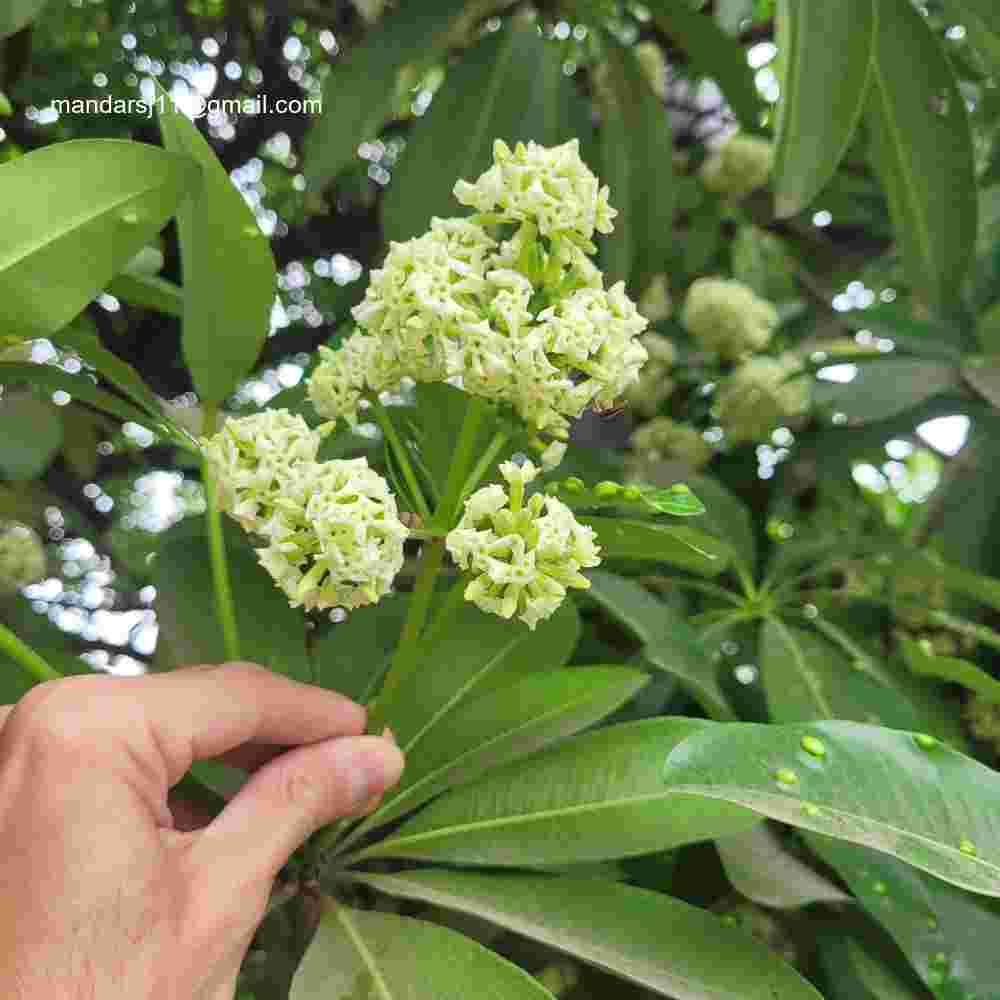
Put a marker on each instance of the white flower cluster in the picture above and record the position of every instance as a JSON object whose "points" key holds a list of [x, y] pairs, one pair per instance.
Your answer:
{"points": [[757, 396], [655, 386], [523, 555], [662, 438], [726, 317], [333, 533], [22, 557], [524, 320], [740, 165]]}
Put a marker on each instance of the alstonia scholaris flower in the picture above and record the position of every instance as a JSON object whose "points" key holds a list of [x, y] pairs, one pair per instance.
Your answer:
{"points": [[525, 321], [523, 555], [756, 397], [661, 439], [22, 557], [334, 537], [740, 165], [253, 456], [655, 386], [728, 318]]}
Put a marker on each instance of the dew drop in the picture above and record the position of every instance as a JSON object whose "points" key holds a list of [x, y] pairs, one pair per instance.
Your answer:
{"points": [[680, 488], [925, 741], [786, 776], [879, 888], [252, 231], [935, 978], [810, 808], [940, 959], [967, 847], [130, 218], [932, 923], [813, 746]]}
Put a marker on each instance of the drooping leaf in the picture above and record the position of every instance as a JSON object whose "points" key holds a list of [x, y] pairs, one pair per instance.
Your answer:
{"points": [[30, 435], [637, 164], [922, 150], [669, 643], [855, 972], [359, 93], [271, 633], [666, 945], [762, 868], [713, 53], [826, 58], [909, 796], [654, 541], [18, 14], [515, 96], [228, 270], [148, 291], [365, 955], [598, 796], [74, 214], [511, 722], [951, 668]]}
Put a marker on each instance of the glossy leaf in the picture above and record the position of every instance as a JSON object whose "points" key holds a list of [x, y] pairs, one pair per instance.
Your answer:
{"points": [[637, 164], [948, 935], [30, 435], [713, 53], [271, 633], [229, 276], [635, 498], [470, 655], [932, 807], [654, 541], [922, 151], [599, 796], [669, 643], [762, 868], [826, 59], [510, 723], [366, 955], [360, 92], [103, 201], [18, 14], [666, 945], [148, 291], [981, 19], [515, 98], [854, 972]]}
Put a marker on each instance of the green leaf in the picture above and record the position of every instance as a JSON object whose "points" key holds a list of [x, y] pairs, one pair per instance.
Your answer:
{"points": [[912, 797], [18, 14], [30, 435], [148, 292], [359, 94], [515, 93], [666, 945], [948, 936], [962, 581], [827, 55], [599, 796], [656, 542], [637, 163], [508, 724], [271, 633], [639, 498], [75, 214], [669, 644], [855, 972], [951, 668], [727, 517], [365, 955], [883, 389], [469, 655], [981, 19], [762, 868], [229, 276], [922, 151], [715, 54]]}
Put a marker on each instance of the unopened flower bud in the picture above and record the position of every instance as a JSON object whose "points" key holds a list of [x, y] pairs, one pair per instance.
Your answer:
{"points": [[757, 397], [663, 439], [22, 557], [741, 164], [726, 317]]}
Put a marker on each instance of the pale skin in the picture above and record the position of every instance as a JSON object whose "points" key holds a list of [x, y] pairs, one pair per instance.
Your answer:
{"points": [[109, 889]]}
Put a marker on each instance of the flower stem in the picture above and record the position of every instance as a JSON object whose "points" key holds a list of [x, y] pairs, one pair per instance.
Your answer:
{"points": [[225, 609], [392, 439], [461, 459], [486, 460], [22, 654]]}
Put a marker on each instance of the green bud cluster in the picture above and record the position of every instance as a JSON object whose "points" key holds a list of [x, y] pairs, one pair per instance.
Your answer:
{"points": [[741, 164], [22, 557]]}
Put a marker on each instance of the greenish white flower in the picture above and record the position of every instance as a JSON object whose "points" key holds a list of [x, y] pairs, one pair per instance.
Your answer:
{"points": [[22, 557], [726, 317], [553, 455], [654, 386], [741, 164], [550, 187], [662, 439], [756, 398], [334, 536], [523, 555], [252, 457]]}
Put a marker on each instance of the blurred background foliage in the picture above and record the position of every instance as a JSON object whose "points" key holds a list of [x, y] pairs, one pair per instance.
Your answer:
{"points": [[883, 273]]}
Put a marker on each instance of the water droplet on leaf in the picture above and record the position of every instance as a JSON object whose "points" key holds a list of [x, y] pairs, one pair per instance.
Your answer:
{"points": [[813, 746]]}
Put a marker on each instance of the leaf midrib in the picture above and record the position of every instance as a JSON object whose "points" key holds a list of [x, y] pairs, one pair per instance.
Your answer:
{"points": [[354, 936]]}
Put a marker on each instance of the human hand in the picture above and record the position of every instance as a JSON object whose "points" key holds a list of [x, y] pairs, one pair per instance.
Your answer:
{"points": [[102, 895]]}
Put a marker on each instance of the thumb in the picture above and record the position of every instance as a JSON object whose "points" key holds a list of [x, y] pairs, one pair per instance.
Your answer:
{"points": [[289, 799]]}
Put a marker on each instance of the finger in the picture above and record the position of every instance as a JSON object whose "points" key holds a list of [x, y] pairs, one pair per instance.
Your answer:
{"points": [[291, 798], [5, 710]]}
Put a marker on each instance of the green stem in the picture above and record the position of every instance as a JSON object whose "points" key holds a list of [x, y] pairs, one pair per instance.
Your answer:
{"points": [[482, 466], [697, 585], [22, 654], [394, 442], [974, 631], [461, 458], [225, 609]]}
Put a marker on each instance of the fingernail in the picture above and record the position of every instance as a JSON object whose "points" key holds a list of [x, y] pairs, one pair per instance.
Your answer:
{"points": [[388, 734], [380, 765]]}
